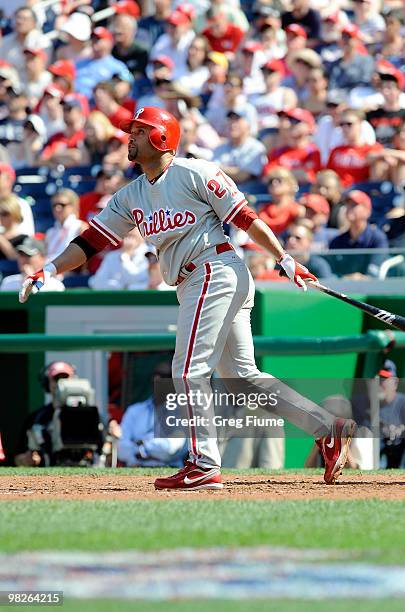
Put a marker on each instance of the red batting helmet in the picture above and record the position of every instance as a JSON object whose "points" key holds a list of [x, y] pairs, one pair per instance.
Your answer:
{"points": [[165, 134]]}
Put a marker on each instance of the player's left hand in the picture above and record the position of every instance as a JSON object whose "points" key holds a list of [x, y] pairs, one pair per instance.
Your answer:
{"points": [[297, 273]]}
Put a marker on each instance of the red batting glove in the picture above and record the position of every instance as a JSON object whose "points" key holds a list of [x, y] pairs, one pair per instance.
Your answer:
{"points": [[297, 273]]}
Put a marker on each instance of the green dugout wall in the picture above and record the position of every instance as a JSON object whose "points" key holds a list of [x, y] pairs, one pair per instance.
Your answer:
{"points": [[276, 313]]}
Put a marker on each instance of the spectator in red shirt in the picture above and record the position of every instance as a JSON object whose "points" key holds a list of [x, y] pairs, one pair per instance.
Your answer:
{"points": [[282, 209], [299, 155], [223, 36], [66, 147], [106, 101], [350, 161], [108, 182]]}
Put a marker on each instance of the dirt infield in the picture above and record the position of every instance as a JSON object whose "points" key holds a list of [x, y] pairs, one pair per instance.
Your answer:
{"points": [[276, 487]]}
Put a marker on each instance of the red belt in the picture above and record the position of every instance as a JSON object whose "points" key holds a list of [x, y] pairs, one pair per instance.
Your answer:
{"points": [[220, 248]]}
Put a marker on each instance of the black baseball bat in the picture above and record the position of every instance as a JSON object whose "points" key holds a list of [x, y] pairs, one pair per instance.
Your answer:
{"points": [[382, 315]]}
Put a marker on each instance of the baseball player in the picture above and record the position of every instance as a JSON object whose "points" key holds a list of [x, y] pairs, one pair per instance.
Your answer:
{"points": [[180, 205]]}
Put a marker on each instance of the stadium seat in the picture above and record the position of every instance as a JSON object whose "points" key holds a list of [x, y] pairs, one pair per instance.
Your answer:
{"points": [[303, 188], [42, 205], [82, 171], [33, 170], [8, 267], [252, 187], [258, 199], [43, 223], [76, 281], [79, 184], [36, 189]]}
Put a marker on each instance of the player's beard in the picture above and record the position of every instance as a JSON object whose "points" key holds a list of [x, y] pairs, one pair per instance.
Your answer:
{"points": [[133, 153]]}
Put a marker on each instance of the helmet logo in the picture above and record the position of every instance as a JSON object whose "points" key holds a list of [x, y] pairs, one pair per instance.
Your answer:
{"points": [[139, 112]]}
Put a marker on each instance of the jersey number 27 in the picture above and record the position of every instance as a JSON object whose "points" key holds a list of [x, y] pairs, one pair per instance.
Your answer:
{"points": [[220, 190]]}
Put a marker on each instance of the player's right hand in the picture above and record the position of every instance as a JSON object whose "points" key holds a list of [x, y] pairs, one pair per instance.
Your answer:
{"points": [[35, 282], [296, 272]]}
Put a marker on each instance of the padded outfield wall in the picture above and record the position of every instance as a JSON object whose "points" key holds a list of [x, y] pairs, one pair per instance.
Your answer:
{"points": [[276, 313]]}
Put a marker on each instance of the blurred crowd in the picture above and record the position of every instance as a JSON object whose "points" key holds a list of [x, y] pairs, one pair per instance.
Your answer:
{"points": [[301, 102]]}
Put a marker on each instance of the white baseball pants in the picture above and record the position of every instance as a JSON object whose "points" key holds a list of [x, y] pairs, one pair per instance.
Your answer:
{"points": [[214, 333]]}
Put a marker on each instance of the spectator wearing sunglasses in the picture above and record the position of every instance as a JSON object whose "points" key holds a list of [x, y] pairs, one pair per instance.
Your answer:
{"points": [[65, 209], [299, 240], [350, 161], [329, 134]]}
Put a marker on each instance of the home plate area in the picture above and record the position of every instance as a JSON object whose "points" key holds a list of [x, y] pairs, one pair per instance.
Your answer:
{"points": [[213, 573]]}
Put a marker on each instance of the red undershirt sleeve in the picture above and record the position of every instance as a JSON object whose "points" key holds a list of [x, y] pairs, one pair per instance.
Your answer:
{"points": [[244, 218]]}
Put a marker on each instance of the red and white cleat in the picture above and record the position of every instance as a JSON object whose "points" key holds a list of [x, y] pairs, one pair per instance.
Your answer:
{"points": [[192, 478], [335, 447]]}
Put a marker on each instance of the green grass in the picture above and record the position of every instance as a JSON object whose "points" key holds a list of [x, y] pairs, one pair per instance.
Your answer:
{"points": [[373, 528], [77, 471]]}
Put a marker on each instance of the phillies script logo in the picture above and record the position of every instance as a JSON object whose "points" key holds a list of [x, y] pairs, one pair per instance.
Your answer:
{"points": [[162, 220]]}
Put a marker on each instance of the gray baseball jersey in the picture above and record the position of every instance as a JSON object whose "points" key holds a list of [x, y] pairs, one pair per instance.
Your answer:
{"points": [[181, 213]]}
